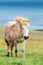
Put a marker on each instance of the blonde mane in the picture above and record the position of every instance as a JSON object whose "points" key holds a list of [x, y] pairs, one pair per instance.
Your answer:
{"points": [[22, 20]]}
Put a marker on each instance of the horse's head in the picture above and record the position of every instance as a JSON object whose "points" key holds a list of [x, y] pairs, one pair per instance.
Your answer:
{"points": [[25, 31], [25, 25]]}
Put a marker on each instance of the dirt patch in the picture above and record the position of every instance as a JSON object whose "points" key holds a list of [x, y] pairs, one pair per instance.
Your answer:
{"points": [[36, 35]]}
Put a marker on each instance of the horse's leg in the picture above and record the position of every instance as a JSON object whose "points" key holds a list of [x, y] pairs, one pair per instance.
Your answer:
{"points": [[7, 42], [9, 50], [12, 49], [23, 49], [15, 49]]}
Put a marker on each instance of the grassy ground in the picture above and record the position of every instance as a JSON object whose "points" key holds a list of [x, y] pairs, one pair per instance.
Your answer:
{"points": [[34, 51]]}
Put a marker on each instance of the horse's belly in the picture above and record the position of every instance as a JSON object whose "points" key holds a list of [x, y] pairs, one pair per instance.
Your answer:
{"points": [[20, 40]]}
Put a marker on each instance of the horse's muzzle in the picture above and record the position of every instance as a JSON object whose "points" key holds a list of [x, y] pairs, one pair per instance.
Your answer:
{"points": [[26, 37]]}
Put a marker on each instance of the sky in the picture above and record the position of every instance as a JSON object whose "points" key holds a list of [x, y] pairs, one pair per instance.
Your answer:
{"points": [[10, 8], [21, 0]]}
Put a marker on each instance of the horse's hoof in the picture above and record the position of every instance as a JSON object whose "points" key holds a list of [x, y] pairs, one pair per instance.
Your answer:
{"points": [[8, 55], [11, 55]]}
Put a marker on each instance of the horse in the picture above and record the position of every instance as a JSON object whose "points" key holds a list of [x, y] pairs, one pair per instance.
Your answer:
{"points": [[16, 31]]}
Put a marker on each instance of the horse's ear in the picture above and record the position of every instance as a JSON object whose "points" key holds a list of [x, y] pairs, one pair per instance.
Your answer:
{"points": [[22, 20], [17, 19], [28, 20]]}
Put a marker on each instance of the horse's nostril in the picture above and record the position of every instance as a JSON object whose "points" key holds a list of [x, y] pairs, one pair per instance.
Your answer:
{"points": [[26, 37]]}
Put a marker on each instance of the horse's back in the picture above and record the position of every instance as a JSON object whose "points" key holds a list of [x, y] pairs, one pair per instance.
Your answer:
{"points": [[13, 30]]}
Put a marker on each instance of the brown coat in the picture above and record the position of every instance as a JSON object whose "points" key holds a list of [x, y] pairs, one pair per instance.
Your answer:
{"points": [[13, 32]]}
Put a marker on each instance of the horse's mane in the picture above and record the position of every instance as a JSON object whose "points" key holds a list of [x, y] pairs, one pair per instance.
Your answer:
{"points": [[22, 20]]}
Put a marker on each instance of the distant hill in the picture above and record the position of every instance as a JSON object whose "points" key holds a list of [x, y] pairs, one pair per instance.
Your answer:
{"points": [[39, 30]]}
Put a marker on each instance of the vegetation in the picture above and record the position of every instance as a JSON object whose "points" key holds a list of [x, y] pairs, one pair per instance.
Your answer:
{"points": [[33, 51]]}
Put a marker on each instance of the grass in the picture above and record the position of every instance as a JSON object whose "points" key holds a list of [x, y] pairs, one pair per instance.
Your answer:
{"points": [[34, 54], [1, 28], [33, 51]]}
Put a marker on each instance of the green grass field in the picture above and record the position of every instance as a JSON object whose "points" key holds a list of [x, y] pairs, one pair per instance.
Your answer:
{"points": [[33, 51]]}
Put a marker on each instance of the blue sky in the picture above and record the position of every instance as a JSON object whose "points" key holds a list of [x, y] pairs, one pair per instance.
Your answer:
{"points": [[21, 0], [32, 9]]}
